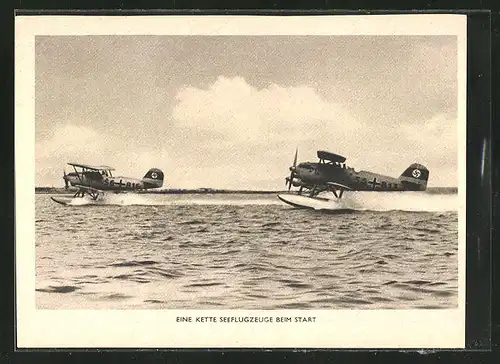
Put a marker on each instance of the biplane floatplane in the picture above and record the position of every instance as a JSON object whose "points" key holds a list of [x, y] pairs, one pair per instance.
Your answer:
{"points": [[95, 180], [331, 174]]}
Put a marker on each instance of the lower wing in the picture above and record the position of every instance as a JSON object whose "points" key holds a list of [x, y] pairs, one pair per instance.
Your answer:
{"points": [[87, 188], [338, 185]]}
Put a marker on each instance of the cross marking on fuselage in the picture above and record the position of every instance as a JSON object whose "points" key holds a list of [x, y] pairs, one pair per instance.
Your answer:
{"points": [[374, 183]]}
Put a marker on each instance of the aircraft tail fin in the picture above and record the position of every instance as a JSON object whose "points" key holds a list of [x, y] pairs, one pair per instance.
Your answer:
{"points": [[415, 177], [153, 178]]}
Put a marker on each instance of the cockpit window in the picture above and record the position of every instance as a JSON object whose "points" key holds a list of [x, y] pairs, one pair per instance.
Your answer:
{"points": [[93, 175], [306, 166]]}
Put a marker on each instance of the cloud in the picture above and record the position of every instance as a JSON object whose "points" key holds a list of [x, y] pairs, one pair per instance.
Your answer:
{"points": [[80, 144], [234, 135], [237, 111], [251, 134], [173, 102], [436, 143]]}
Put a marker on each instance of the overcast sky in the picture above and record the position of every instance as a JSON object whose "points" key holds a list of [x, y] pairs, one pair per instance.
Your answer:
{"points": [[229, 111]]}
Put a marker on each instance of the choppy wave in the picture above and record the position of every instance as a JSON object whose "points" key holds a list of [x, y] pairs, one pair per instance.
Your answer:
{"points": [[205, 253]]}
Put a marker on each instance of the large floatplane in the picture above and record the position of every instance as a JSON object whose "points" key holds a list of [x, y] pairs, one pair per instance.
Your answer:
{"points": [[331, 174], [94, 181]]}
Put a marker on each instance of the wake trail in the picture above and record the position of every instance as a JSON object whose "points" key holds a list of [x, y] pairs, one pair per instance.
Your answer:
{"points": [[117, 200], [358, 201], [397, 201], [169, 200], [222, 202]]}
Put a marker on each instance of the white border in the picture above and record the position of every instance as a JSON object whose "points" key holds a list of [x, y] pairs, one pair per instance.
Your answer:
{"points": [[156, 328]]}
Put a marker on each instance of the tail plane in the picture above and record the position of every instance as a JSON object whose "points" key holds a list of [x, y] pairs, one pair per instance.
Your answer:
{"points": [[153, 178], [415, 177]]}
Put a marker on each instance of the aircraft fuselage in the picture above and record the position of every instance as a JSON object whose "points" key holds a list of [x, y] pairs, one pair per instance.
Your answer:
{"points": [[105, 183], [321, 173]]}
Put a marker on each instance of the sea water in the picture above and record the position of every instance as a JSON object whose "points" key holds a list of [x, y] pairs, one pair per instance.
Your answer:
{"points": [[248, 251]]}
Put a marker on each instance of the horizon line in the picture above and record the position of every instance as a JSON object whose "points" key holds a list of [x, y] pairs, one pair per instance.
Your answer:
{"points": [[222, 189]]}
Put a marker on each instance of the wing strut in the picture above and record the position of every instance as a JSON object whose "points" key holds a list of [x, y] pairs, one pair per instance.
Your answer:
{"points": [[78, 175], [92, 192]]}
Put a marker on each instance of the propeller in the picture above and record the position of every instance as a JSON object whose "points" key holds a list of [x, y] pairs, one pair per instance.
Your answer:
{"points": [[288, 180], [66, 185]]}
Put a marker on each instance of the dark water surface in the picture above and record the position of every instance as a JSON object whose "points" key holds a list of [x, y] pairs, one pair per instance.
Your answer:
{"points": [[248, 252]]}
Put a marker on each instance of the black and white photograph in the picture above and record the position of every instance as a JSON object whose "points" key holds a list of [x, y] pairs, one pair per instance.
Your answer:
{"points": [[244, 176]]}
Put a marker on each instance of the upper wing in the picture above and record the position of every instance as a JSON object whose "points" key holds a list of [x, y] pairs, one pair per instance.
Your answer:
{"points": [[105, 168], [93, 168], [332, 157]]}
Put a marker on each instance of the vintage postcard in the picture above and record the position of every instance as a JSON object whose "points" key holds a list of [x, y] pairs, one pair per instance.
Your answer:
{"points": [[240, 181]]}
